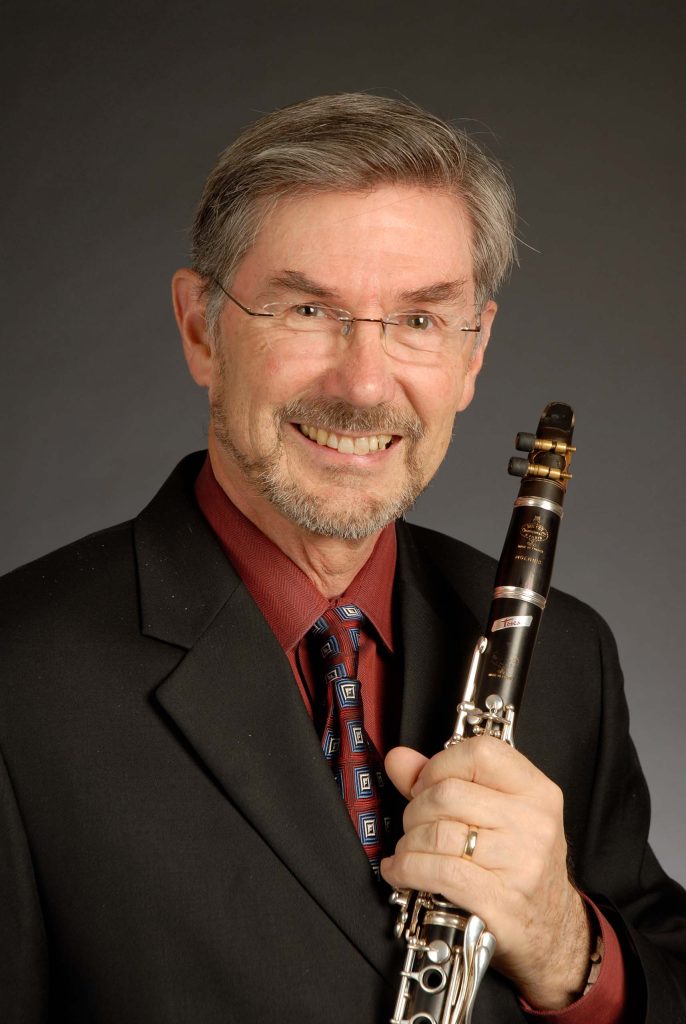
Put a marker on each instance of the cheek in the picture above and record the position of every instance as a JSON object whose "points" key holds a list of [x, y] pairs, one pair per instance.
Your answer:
{"points": [[255, 384], [280, 380], [437, 399], [250, 379], [273, 372]]}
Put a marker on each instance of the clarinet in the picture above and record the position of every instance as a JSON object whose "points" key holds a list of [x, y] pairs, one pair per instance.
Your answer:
{"points": [[448, 950]]}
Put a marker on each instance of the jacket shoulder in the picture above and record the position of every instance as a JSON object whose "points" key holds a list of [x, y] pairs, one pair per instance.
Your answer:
{"points": [[91, 585], [72, 588]]}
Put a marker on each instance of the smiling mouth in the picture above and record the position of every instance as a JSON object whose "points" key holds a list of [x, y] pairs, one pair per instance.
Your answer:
{"points": [[345, 444]]}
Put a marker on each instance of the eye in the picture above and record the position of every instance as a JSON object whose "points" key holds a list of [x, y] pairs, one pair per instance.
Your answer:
{"points": [[418, 321], [309, 311]]}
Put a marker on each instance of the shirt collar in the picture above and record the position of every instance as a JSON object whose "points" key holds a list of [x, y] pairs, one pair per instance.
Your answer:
{"points": [[286, 597]]}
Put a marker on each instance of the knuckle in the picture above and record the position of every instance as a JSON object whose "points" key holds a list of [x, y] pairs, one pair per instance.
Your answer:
{"points": [[552, 794], [444, 837], [401, 845], [557, 798], [519, 904], [485, 754], [450, 872], [549, 833], [445, 792], [546, 831], [402, 863]]}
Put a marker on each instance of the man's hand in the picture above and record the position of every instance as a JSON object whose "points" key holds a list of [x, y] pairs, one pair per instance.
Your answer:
{"points": [[516, 880]]}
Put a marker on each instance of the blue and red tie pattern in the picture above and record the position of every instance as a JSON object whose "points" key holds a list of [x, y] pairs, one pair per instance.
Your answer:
{"points": [[355, 762]]}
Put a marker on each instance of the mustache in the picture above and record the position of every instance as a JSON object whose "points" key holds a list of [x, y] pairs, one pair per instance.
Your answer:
{"points": [[340, 417]]}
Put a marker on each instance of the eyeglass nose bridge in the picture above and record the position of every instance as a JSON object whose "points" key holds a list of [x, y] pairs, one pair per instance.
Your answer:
{"points": [[349, 322]]}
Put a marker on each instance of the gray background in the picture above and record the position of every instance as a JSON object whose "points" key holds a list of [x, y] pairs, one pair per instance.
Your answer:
{"points": [[113, 116]]}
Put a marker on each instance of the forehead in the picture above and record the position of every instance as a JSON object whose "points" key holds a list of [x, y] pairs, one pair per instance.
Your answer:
{"points": [[366, 244]]}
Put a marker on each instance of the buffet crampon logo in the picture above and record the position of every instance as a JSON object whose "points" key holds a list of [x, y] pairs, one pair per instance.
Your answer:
{"points": [[535, 531]]}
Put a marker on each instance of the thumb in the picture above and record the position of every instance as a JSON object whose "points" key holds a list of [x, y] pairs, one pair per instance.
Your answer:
{"points": [[403, 766]]}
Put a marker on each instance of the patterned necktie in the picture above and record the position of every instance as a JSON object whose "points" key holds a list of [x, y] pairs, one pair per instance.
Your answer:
{"points": [[354, 760]]}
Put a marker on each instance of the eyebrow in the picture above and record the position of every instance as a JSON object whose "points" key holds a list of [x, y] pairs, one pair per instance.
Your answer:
{"points": [[440, 291], [295, 281]]}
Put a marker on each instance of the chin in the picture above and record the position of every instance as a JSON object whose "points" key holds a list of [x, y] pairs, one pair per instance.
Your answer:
{"points": [[354, 516]]}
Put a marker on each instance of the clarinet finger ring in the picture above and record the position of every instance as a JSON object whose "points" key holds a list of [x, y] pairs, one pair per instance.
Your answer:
{"points": [[470, 842]]}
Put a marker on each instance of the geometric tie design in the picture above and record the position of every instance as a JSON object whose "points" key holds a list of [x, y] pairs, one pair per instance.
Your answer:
{"points": [[356, 764]]}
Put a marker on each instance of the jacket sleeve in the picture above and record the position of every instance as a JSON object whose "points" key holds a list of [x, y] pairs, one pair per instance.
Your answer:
{"points": [[23, 959], [618, 869]]}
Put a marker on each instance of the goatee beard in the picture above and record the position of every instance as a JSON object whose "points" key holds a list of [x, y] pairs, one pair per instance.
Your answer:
{"points": [[365, 515]]}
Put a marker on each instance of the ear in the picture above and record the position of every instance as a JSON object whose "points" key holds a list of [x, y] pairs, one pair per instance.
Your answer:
{"points": [[477, 354], [189, 309]]}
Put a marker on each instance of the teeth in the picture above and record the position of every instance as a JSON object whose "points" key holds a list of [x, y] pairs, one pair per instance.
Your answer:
{"points": [[346, 445]]}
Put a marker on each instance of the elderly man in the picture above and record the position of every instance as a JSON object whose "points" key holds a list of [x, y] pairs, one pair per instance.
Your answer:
{"points": [[197, 823]]}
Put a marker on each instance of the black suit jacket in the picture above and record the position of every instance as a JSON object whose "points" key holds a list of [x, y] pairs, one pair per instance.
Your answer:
{"points": [[173, 849]]}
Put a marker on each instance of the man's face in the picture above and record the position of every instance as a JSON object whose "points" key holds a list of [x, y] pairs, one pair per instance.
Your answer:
{"points": [[366, 253]]}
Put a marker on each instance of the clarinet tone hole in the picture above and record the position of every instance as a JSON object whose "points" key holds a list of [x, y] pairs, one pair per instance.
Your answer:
{"points": [[422, 1018], [432, 979]]}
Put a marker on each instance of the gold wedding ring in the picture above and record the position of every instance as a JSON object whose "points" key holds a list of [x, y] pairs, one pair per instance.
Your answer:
{"points": [[470, 842]]}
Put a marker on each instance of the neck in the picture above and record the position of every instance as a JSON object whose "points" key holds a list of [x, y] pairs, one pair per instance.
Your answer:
{"points": [[330, 563]]}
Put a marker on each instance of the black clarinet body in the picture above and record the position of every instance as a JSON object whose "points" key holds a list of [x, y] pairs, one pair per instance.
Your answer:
{"points": [[448, 950]]}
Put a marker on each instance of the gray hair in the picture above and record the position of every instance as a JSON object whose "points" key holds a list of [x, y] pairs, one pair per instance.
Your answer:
{"points": [[349, 142]]}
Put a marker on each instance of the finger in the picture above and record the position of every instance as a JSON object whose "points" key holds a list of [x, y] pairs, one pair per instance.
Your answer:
{"points": [[483, 847], [525, 853], [460, 881], [462, 801], [486, 761], [403, 765]]}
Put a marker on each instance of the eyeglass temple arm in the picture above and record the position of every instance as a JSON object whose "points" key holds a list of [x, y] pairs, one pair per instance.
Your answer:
{"points": [[246, 309]]}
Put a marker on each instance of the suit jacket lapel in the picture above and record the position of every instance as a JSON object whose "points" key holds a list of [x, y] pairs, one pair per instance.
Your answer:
{"points": [[234, 698]]}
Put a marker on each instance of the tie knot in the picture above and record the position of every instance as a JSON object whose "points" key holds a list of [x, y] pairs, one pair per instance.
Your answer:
{"points": [[337, 636]]}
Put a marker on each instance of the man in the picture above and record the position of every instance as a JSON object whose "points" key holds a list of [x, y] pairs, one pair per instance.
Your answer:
{"points": [[175, 846]]}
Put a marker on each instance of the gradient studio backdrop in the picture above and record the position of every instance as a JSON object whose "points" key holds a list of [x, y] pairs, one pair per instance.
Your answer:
{"points": [[113, 116]]}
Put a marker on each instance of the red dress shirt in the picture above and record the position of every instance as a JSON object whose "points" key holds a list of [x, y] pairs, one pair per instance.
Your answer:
{"points": [[291, 604]]}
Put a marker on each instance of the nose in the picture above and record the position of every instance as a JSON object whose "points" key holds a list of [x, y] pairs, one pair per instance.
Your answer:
{"points": [[362, 371]]}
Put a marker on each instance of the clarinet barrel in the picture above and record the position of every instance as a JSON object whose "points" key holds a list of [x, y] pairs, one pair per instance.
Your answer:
{"points": [[448, 949]]}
